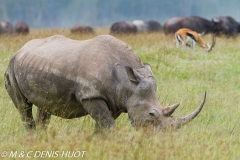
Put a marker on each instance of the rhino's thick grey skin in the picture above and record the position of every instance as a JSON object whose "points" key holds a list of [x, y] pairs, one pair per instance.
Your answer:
{"points": [[102, 77]]}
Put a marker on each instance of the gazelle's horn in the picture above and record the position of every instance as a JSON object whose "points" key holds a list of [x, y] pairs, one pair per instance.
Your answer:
{"points": [[201, 34], [213, 42]]}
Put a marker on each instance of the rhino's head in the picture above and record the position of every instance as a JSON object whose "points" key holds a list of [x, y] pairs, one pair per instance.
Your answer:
{"points": [[143, 106]]}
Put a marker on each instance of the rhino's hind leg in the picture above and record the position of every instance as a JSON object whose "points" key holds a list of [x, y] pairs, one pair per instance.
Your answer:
{"points": [[42, 119], [98, 110], [25, 111], [20, 101]]}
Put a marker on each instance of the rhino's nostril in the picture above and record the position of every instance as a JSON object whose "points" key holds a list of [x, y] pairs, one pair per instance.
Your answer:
{"points": [[152, 114]]}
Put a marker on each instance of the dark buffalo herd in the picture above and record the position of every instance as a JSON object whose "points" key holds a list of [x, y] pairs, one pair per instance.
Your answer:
{"points": [[194, 23], [135, 26], [147, 26], [226, 26], [22, 28], [7, 28], [81, 29], [223, 25], [123, 27]]}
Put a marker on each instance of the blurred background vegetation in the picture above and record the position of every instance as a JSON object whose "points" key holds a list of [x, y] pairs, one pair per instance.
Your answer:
{"points": [[99, 13]]}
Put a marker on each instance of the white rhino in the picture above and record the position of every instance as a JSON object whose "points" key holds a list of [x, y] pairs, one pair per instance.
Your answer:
{"points": [[102, 77]]}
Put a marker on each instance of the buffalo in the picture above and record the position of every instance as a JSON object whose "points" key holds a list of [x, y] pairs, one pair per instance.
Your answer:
{"points": [[81, 29], [141, 25], [153, 26], [22, 28], [102, 77], [225, 25], [6, 27], [123, 28], [194, 23], [147, 26]]}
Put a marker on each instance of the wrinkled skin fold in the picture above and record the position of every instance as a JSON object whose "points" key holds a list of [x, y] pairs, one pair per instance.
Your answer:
{"points": [[102, 77]]}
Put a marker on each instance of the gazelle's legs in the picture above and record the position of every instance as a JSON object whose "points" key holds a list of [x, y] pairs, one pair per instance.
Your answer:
{"points": [[179, 40], [192, 41]]}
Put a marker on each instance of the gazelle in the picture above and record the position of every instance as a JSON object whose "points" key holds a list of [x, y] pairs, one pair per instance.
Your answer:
{"points": [[186, 36]]}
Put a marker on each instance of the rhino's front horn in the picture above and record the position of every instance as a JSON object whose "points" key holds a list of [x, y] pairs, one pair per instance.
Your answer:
{"points": [[168, 111], [179, 122]]}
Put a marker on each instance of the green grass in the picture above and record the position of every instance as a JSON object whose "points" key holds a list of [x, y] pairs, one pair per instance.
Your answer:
{"points": [[182, 76]]}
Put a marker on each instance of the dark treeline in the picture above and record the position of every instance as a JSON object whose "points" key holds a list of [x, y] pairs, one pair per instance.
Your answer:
{"points": [[66, 13]]}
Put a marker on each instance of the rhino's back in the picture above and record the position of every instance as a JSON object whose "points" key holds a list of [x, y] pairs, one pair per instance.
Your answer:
{"points": [[60, 69], [69, 58], [60, 49]]}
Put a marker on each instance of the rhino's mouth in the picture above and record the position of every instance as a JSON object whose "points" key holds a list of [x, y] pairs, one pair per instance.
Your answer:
{"points": [[143, 123], [133, 122]]}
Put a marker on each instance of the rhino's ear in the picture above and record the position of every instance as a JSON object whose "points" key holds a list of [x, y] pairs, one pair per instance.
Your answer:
{"points": [[148, 67], [133, 75]]}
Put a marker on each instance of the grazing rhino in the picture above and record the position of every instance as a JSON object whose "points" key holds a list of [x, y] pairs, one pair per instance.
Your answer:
{"points": [[102, 77]]}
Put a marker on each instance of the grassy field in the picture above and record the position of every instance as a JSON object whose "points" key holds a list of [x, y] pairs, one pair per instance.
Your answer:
{"points": [[182, 76]]}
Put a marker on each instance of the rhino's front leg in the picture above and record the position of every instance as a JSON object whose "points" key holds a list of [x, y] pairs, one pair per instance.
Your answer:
{"points": [[98, 110]]}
